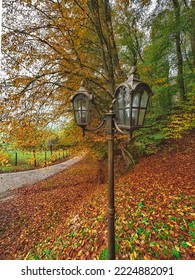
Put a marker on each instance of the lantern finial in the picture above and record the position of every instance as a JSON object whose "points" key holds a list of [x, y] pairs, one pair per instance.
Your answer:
{"points": [[133, 73], [133, 70]]}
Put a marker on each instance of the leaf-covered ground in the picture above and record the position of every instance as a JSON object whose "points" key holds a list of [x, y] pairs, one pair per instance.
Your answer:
{"points": [[65, 216]]}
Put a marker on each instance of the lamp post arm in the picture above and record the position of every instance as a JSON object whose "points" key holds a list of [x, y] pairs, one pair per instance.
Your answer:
{"points": [[96, 128], [93, 129], [119, 130], [129, 133]]}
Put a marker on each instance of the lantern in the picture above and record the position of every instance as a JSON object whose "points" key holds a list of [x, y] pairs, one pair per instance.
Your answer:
{"points": [[131, 102], [82, 105]]}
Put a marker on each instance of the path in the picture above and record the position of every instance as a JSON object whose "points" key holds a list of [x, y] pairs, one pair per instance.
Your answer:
{"points": [[10, 181]]}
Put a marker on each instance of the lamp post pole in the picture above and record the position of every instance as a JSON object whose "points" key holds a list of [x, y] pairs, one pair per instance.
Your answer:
{"points": [[111, 209]]}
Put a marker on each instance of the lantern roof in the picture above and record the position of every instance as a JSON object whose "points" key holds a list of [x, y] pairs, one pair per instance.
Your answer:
{"points": [[83, 92], [134, 81]]}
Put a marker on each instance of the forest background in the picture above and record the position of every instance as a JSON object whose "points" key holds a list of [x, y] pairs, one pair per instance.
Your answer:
{"points": [[50, 46]]}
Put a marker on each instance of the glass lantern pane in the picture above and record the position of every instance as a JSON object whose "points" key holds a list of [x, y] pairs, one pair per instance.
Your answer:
{"points": [[120, 100], [144, 99], [77, 103], [121, 117], [136, 99], [134, 117], [141, 116], [84, 104], [78, 116], [127, 116], [84, 117], [127, 99]]}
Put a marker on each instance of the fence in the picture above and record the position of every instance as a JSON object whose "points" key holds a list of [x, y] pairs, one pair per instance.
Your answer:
{"points": [[26, 160]]}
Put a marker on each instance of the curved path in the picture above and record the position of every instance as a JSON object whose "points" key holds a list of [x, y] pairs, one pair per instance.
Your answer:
{"points": [[9, 181]]}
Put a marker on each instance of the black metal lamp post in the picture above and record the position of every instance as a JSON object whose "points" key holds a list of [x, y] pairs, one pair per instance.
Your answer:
{"points": [[127, 113]]}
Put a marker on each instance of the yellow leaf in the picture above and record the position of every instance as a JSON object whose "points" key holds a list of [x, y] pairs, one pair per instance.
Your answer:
{"points": [[80, 253], [177, 248]]}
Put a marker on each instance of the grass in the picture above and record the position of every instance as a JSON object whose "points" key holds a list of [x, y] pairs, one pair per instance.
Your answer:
{"points": [[18, 161]]}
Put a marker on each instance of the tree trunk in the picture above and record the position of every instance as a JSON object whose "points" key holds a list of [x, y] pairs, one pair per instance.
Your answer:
{"points": [[178, 50], [128, 158], [193, 32], [102, 22]]}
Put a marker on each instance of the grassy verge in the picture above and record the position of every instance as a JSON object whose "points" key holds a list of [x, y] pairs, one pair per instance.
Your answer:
{"points": [[18, 161]]}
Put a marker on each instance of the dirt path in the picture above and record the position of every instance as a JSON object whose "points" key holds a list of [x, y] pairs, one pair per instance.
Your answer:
{"points": [[10, 181]]}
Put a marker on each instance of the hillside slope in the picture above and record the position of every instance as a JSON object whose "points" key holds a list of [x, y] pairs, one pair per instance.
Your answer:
{"points": [[65, 217]]}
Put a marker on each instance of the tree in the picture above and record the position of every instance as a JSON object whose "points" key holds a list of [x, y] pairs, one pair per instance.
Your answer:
{"points": [[102, 24], [48, 57], [192, 16], [130, 38], [50, 46], [177, 14]]}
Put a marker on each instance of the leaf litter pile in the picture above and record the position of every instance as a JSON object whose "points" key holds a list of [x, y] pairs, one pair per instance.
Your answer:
{"points": [[65, 216]]}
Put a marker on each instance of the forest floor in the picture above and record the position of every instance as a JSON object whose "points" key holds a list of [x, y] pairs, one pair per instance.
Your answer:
{"points": [[65, 216]]}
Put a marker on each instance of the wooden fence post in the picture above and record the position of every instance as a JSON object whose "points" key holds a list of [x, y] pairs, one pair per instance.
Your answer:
{"points": [[16, 159], [34, 156]]}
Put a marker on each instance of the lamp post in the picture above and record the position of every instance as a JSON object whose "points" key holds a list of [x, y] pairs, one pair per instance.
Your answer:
{"points": [[127, 113]]}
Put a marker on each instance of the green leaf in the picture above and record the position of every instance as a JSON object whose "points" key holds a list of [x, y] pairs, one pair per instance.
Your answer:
{"points": [[140, 204], [184, 244], [175, 253], [47, 251], [140, 231], [104, 254]]}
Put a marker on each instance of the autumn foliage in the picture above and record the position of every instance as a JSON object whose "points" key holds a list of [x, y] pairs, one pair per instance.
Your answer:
{"points": [[48, 48], [65, 216]]}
